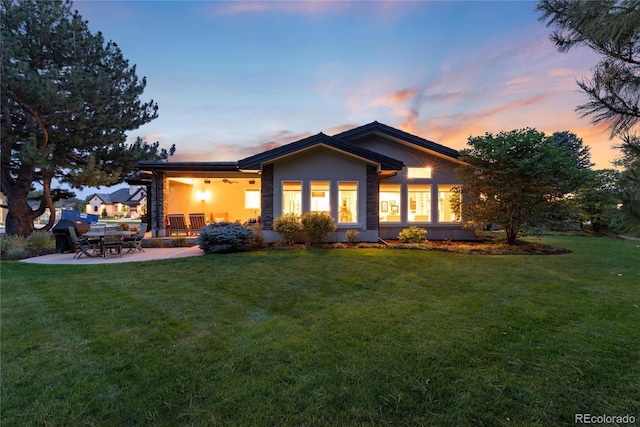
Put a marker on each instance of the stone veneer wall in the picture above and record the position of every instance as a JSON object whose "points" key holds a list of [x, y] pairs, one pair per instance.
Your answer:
{"points": [[165, 205], [373, 195], [266, 192], [159, 204]]}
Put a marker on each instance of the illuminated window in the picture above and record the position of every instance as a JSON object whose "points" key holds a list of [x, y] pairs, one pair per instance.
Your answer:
{"points": [[251, 198], [320, 197], [291, 198], [348, 196], [389, 203], [419, 203], [445, 212], [419, 172]]}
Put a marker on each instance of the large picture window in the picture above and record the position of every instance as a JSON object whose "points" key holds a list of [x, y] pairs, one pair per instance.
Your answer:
{"points": [[445, 213], [251, 198], [320, 197], [348, 198], [389, 203], [419, 203], [291, 197]]}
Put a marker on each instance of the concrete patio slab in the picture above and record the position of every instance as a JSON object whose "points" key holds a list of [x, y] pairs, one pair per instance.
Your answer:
{"points": [[149, 254]]}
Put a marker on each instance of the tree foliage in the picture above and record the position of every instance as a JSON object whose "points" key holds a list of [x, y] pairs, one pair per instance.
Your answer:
{"points": [[610, 28], [580, 154], [68, 99], [629, 179], [596, 199], [513, 178]]}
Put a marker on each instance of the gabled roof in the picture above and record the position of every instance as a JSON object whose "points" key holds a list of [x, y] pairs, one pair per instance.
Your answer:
{"points": [[255, 162], [119, 196], [147, 165], [381, 129]]}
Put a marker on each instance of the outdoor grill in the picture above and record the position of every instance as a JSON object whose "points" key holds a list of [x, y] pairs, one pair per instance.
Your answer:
{"points": [[61, 233]]}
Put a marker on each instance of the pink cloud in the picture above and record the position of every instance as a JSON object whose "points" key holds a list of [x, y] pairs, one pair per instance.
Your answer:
{"points": [[292, 7], [399, 96]]}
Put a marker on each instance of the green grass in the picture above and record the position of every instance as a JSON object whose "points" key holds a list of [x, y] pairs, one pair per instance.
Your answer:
{"points": [[325, 337]]}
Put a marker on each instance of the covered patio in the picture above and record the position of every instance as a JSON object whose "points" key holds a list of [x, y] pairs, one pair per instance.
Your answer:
{"points": [[219, 190]]}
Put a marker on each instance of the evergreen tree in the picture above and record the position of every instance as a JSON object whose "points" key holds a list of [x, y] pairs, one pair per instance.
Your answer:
{"points": [[610, 28], [68, 98]]}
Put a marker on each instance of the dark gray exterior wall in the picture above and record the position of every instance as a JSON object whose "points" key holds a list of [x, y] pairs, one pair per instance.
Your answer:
{"points": [[373, 197], [266, 195]]}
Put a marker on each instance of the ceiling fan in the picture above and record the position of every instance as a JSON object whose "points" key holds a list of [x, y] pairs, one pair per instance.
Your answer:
{"points": [[228, 181]]}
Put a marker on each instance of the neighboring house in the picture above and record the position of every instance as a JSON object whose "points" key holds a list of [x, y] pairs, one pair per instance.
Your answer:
{"points": [[42, 219], [375, 179], [130, 202]]}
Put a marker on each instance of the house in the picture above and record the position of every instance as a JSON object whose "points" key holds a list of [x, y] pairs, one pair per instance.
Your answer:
{"points": [[130, 202], [374, 178]]}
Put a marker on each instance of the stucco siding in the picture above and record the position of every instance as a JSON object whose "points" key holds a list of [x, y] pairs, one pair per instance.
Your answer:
{"points": [[322, 164], [442, 174]]}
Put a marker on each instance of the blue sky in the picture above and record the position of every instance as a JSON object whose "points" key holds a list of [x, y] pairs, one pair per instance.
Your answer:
{"points": [[235, 78]]}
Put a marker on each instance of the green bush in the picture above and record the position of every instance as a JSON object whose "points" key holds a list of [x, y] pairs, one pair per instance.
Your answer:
{"points": [[12, 242], [224, 237], [317, 225], [288, 226], [413, 234], [352, 236], [16, 253], [257, 239], [157, 242], [179, 242], [39, 240]]}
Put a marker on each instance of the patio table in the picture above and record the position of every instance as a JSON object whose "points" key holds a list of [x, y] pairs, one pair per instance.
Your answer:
{"points": [[100, 235]]}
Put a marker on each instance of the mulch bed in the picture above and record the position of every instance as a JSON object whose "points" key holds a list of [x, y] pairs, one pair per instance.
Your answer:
{"points": [[4, 256], [479, 247]]}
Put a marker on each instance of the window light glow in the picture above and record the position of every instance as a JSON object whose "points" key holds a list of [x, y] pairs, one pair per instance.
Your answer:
{"points": [[419, 172]]}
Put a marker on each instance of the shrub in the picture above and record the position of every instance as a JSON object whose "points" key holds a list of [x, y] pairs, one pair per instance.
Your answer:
{"points": [[39, 240], [413, 234], [317, 225], [179, 242], [288, 226], [224, 237], [257, 239], [157, 242], [12, 242], [352, 236], [16, 253]]}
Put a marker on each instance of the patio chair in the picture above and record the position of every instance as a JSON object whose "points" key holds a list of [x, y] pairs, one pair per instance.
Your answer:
{"points": [[197, 221], [82, 245], [96, 228], [177, 224], [112, 241], [135, 242]]}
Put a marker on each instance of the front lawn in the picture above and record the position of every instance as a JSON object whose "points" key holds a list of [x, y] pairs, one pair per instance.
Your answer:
{"points": [[325, 337]]}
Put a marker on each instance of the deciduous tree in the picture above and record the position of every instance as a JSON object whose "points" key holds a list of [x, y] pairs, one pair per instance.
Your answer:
{"points": [[68, 98], [511, 179]]}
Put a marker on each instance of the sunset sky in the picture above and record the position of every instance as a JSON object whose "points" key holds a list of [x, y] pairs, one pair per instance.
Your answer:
{"points": [[234, 78]]}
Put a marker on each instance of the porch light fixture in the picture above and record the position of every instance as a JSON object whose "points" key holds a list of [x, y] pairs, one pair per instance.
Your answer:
{"points": [[203, 196]]}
